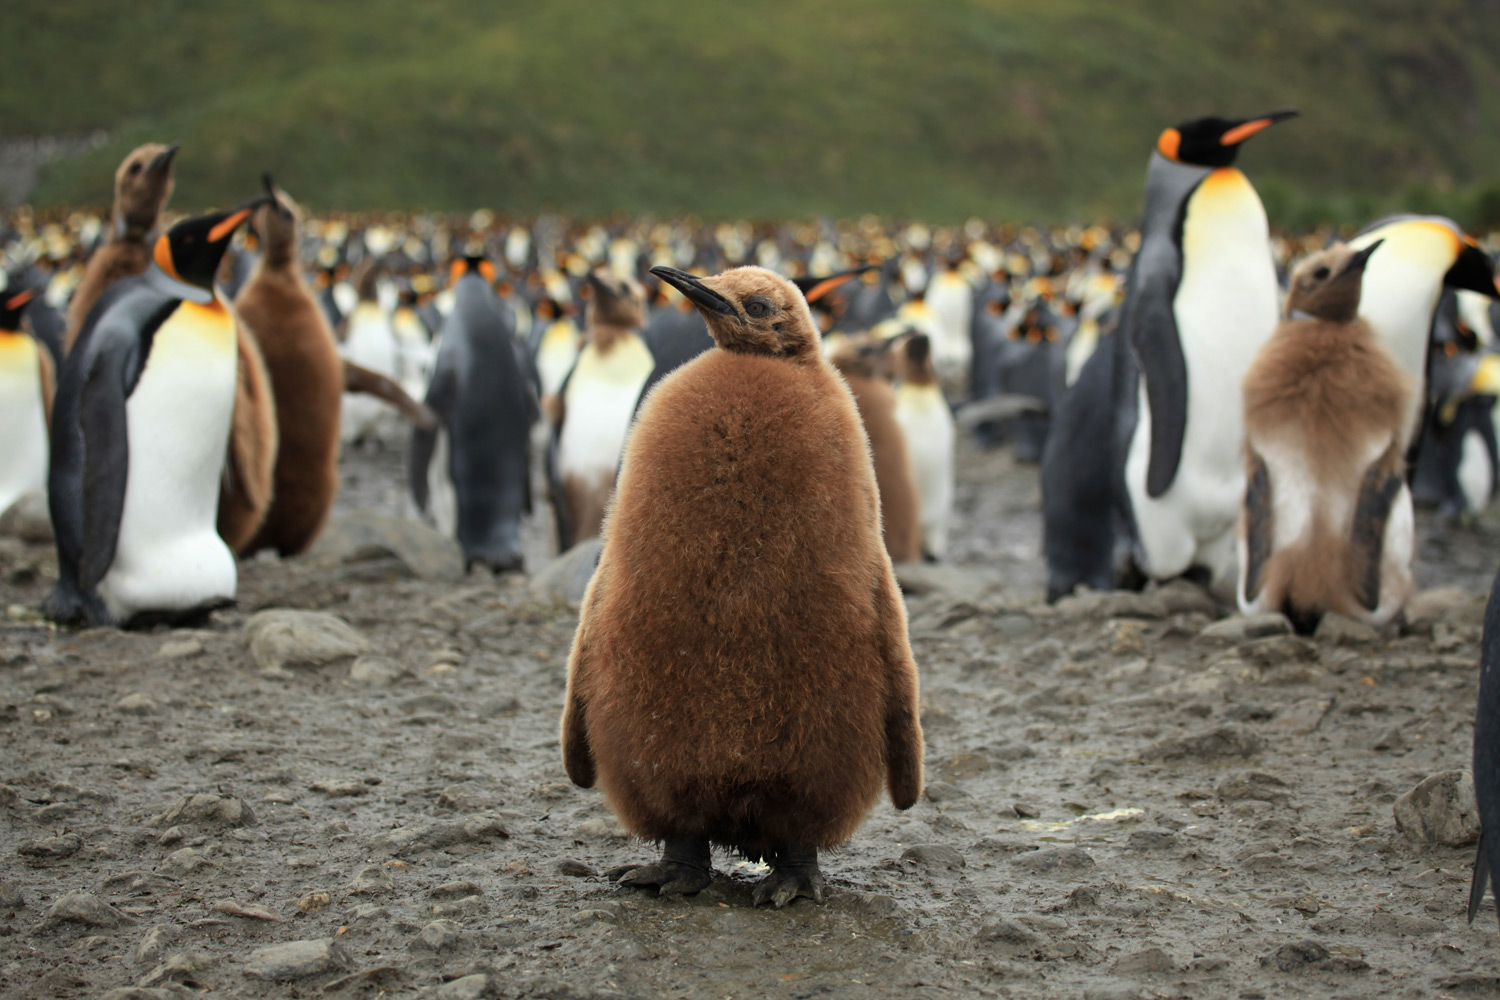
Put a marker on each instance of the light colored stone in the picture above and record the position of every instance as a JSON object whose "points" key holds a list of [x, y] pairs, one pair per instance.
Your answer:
{"points": [[136, 704], [1341, 631], [1440, 810], [564, 579], [366, 534], [939, 857], [180, 648], [79, 907], [282, 637], [295, 960], [28, 519], [465, 988], [375, 671], [207, 810], [1238, 628]]}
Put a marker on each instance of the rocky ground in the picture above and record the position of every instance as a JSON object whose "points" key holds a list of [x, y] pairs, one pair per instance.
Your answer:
{"points": [[1129, 795]]}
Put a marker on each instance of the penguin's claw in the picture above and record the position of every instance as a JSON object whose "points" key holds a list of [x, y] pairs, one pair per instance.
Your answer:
{"points": [[673, 877], [781, 887]]}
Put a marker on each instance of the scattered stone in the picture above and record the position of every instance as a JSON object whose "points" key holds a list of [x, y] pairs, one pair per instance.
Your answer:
{"points": [[467, 797], [1304, 716], [455, 890], [144, 993], [51, 847], [1337, 630], [1440, 810], [10, 899], [599, 828], [1130, 604], [251, 911], [942, 791], [593, 916], [185, 862], [1252, 785], [1309, 955], [360, 536], [439, 934], [155, 943], [564, 579], [295, 960], [339, 789], [29, 520], [1183, 598], [314, 901], [1434, 605], [207, 809], [375, 671], [576, 868], [960, 584], [179, 649], [1238, 628], [963, 765], [1053, 860], [79, 907], [1218, 744], [1007, 933], [1276, 651], [373, 880], [1402, 924], [1043, 654], [180, 967], [1147, 961], [136, 704], [934, 856], [1389, 741], [1151, 840], [465, 988], [282, 637]]}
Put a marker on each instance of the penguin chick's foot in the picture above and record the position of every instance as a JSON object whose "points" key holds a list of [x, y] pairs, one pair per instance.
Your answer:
{"points": [[684, 868], [794, 872]]}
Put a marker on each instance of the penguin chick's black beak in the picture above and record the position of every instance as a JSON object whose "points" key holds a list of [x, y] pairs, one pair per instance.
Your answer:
{"points": [[163, 161], [697, 293], [1250, 126], [1472, 272], [1360, 259]]}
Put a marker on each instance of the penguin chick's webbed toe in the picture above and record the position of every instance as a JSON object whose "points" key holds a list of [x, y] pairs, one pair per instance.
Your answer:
{"points": [[794, 872], [684, 868]]}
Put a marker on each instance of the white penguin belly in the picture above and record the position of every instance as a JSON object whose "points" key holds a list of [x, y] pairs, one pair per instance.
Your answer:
{"points": [[951, 300], [414, 354], [600, 402], [442, 497], [555, 356], [23, 460], [168, 553], [927, 424], [1475, 476], [370, 343], [1225, 310]]}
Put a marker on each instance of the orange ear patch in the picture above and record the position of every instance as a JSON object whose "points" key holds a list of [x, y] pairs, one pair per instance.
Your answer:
{"points": [[487, 270], [1169, 143], [162, 254]]}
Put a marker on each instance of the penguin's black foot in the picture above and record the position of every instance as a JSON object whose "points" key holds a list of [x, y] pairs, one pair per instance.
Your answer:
{"points": [[684, 868], [794, 872]]}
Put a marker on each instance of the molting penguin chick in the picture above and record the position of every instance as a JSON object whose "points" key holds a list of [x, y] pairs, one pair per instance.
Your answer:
{"points": [[927, 425], [741, 673], [1327, 517], [143, 183]]}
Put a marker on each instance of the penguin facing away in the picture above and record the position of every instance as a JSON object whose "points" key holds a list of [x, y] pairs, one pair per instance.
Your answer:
{"points": [[1487, 756], [307, 381], [927, 425], [472, 471], [741, 674], [27, 385], [142, 420], [143, 183], [1327, 522]]}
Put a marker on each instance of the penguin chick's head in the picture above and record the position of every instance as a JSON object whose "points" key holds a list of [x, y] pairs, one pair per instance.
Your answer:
{"points": [[275, 223], [143, 183], [1214, 142], [617, 301], [191, 250], [750, 310], [1326, 285]]}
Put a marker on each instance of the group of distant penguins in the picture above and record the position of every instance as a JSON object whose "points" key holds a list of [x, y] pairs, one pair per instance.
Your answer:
{"points": [[1216, 427]]}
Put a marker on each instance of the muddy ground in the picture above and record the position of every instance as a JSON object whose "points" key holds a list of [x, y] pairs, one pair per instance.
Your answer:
{"points": [[1118, 805]]}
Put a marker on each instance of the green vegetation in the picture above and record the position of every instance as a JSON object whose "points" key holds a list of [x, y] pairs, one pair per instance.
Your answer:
{"points": [[998, 108]]}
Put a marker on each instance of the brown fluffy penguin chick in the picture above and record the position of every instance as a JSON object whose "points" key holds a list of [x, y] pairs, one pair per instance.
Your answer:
{"points": [[249, 476], [1327, 519], [143, 183], [741, 673], [307, 379], [866, 365]]}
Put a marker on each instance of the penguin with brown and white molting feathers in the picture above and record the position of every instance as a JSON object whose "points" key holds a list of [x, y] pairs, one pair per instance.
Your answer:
{"points": [[595, 405], [143, 183], [142, 424], [307, 380], [741, 674], [865, 364], [28, 382], [950, 298], [472, 472], [927, 424], [367, 340], [1327, 521]]}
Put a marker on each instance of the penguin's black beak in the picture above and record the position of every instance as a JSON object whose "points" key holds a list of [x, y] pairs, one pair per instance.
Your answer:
{"points": [[1250, 126], [226, 226], [1472, 271], [1360, 259], [697, 293], [163, 161], [814, 289]]}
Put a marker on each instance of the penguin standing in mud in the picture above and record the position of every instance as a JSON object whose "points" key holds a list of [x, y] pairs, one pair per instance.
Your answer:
{"points": [[595, 407], [741, 674], [1487, 757], [307, 379], [472, 472], [28, 382], [1327, 522], [1457, 456], [927, 424], [143, 183], [142, 424]]}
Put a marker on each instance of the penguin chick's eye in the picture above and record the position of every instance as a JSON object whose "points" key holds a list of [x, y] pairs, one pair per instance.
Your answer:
{"points": [[1321, 274], [135, 168], [757, 308]]}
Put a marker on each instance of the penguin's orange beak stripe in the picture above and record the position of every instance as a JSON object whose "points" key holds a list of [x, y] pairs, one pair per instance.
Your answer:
{"points": [[163, 257], [1169, 143], [825, 286], [1240, 133], [20, 299], [228, 226]]}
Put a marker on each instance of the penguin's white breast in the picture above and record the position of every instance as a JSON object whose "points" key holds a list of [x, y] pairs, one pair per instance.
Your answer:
{"points": [[23, 460], [601, 399]]}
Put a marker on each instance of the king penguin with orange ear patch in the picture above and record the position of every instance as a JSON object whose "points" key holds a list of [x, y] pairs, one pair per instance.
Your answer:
{"points": [[27, 383], [142, 425], [741, 674]]}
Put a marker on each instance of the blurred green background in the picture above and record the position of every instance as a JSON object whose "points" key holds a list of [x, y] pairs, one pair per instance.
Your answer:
{"points": [[1006, 109]]}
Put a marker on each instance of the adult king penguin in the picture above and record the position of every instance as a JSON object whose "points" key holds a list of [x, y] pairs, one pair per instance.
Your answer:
{"points": [[142, 425], [27, 383], [741, 674]]}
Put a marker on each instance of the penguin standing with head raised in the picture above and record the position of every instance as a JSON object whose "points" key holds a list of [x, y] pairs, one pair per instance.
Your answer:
{"points": [[927, 425], [741, 674], [1327, 522], [28, 381], [141, 434]]}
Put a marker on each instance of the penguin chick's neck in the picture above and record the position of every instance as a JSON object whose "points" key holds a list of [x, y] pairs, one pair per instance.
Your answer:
{"points": [[605, 335]]}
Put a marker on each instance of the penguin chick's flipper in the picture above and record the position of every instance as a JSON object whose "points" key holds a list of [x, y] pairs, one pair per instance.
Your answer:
{"points": [[1481, 880], [357, 379], [1258, 524], [794, 872], [578, 755], [685, 868], [1377, 492], [903, 733], [106, 461], [1153, 336]]}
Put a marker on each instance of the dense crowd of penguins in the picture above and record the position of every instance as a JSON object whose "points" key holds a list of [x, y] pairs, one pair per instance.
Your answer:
{"points": [[1256, 411]]}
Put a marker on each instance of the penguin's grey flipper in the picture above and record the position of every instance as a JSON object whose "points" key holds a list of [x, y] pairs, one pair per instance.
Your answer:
{"points": [[1481, 880], [1382, 482], [555, 492], [442, 392], [1154, 338], [106, 457], [1258, 524]]}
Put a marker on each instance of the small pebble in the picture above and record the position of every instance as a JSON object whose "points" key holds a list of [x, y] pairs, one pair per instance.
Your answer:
{"points": [[934, 856], [136, 704], [440, 934], [294, 960]]}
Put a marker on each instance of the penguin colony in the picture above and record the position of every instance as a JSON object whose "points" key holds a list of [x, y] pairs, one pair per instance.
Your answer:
{"points": [[755, 453]]}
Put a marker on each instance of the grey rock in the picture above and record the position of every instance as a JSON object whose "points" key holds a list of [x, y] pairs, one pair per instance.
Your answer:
{"points": [[1183, 598], [173, 992], [465, 988], [455, 890], [1252, 785], [576, 868], [137, 704], [372, 880], [1238, 628], [79, 907], [187, 861], [1268, 652], [295, 960], [1054, 860], [1304, 955], [939, 857], [1142, 962], [207, 809], [179, 649], [439, 934], [154, 943], [1440, 810], [180, 966], [364, 535], [956, 583], [1341, 631], [1434, 605], [564, 579], [599, 828], [10, 899], [1151, 840], [436, 836], [1008, 934], [1218, 744], [29, 520], [375, 671], [51, 847], [1129, 604], [281, 637]]}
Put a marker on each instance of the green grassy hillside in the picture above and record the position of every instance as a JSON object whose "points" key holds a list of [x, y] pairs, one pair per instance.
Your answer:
{"points": [[1003, 108]]}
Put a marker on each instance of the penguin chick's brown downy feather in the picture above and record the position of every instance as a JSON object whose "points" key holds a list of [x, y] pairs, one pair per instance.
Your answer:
{"points": [[1324, 410], [307, 379], [741, 672], [143, 183], [250, 464], [866, 365]]}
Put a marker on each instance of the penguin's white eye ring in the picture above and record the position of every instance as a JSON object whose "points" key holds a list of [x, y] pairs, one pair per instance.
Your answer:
{"points": [[755, 309]]}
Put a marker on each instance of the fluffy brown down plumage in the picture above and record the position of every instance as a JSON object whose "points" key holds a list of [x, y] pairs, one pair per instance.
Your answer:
{"points": [[307, 376], [245, 496], [867, 369], [1325, 388], [741, 669]]}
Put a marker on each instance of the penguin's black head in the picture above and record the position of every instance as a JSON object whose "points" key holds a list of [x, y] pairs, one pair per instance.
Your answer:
{"points": [[472, 263], [143, 183], [16, 293], [1327, 284], [1472, 270], [822, 295], [191, 250], [617, 301], [750, 310], [1214, 142]]}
